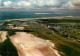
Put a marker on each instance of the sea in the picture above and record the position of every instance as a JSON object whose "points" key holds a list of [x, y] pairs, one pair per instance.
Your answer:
{"points": [[9, 15]]}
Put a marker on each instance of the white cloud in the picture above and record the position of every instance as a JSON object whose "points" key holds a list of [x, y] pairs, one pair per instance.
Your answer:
{"points": [[7, 3], [69, 4], [73, 4], [32, 3], [23, 3], [20, 4], [0, 2]]}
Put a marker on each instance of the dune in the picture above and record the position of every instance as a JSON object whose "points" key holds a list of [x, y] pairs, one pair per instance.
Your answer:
{"points": [[3, 35], [29, 45]]}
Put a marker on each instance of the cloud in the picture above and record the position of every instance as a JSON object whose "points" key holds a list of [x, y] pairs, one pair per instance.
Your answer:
{"points": [[76, 3], [7, 3], [67, 5], [23, 3], [19, 4], [33, 3], [39, 4], [73, 4], [0, 2]]}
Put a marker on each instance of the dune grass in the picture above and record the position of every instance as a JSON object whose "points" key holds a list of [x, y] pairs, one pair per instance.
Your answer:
{"points": [[66, 47]]}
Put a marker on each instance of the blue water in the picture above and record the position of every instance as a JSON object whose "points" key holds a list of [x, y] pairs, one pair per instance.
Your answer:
{"points": [[2, 20], [9, 15]]}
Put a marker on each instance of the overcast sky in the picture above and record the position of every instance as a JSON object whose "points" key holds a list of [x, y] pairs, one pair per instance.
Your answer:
{"points": [[39, 4], [58, 6], [68, 7]]}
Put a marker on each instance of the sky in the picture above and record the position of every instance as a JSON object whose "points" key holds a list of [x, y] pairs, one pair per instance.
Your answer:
{"points": [[40, 4], [57, 6]]}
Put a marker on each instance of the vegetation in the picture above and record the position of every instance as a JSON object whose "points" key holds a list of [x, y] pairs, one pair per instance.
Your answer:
{"points": [[59, 34], [69, 47], [7, 49], [61, 20], [68, 29]]}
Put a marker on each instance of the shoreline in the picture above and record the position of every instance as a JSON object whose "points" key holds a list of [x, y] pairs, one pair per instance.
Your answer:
{"points": [[57, 17]]}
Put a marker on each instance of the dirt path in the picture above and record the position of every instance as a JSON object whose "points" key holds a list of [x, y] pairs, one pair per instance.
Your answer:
{"points": [[29, 45]]}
